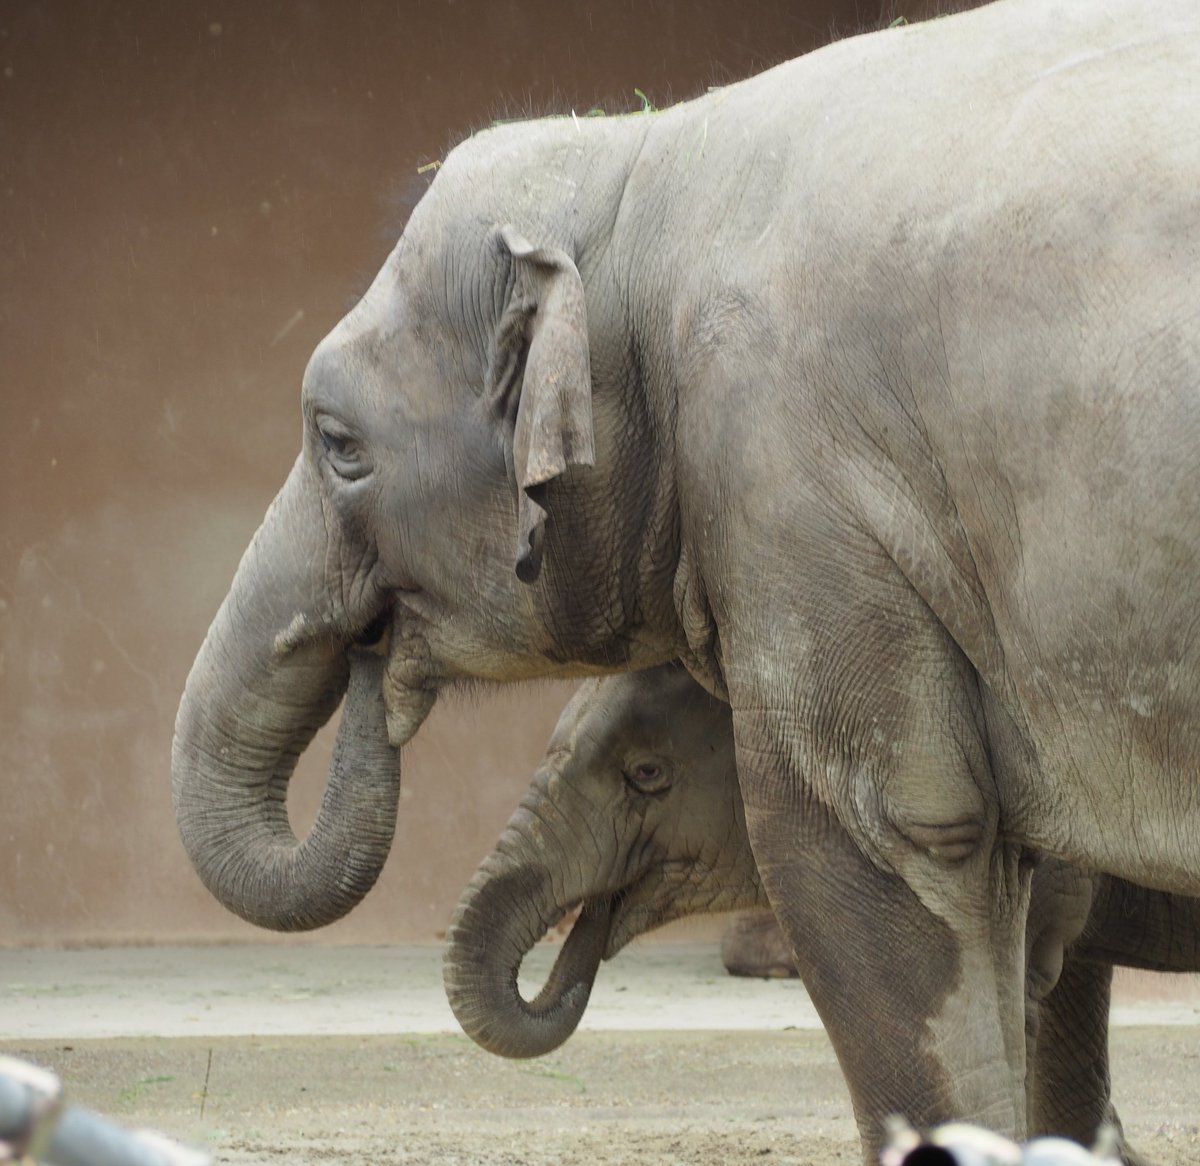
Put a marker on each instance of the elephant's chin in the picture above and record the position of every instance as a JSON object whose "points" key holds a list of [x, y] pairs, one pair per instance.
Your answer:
{"points": [[631, 921], [680, 887], [640, 907], [672, 891]]}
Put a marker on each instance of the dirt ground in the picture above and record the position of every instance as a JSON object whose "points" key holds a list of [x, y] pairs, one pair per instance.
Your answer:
{"points": [[651, 1098], [741, 1085]]}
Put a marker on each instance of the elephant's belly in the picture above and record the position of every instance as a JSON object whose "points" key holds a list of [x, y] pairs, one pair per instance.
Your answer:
{"points": [[1117, 788]]}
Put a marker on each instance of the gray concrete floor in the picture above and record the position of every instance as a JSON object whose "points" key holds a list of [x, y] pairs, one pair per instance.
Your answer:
{"points": [[305, 989], [278, 989]]}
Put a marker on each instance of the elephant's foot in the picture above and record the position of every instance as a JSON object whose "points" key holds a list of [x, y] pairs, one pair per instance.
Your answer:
{"points": [[1111, 1142]]}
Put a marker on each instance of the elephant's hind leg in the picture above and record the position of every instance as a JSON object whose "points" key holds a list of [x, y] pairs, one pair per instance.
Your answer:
{"points": [[1071, 1088]]}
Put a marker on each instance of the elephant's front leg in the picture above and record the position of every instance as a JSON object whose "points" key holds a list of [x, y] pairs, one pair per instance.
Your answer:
{"points": [[875, 829]]}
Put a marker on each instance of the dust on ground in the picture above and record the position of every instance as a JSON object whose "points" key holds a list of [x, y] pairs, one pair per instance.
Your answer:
{"points": [[699, 1096], [650, 1098]]}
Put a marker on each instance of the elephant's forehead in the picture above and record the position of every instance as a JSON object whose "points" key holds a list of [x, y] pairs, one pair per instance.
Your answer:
{"points": [[660, 709], [584, 708]]}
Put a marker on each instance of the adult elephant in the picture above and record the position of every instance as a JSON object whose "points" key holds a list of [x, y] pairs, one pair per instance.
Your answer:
{"points": [[635, 816], [866, 386]]}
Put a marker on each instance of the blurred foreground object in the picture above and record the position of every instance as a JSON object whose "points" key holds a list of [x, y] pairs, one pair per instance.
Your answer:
{"points": [[36, 1126], [961, 1144]]}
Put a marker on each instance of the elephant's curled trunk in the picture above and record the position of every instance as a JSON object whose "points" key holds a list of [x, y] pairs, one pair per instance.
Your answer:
{"points": [[270, 673], [233, 819], [499, 919]]}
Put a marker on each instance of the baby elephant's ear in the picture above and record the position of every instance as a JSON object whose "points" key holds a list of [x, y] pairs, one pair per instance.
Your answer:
{"points": [[553, 428]]}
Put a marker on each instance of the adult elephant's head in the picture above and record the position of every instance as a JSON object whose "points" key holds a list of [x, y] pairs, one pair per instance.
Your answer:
{"points": [[635, 817], [442, 520]]}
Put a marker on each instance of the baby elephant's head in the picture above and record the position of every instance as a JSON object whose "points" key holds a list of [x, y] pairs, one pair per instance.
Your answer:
{"points": [[635, 817]]}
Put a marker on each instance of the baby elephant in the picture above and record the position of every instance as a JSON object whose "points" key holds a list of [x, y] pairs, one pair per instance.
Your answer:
{"points": [[635, 817]]}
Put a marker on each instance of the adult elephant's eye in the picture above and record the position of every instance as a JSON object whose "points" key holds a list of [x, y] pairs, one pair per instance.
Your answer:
{"points": [[336, 443], [342, 449]]}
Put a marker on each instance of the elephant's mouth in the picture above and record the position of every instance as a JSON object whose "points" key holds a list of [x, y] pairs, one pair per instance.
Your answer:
{"points": [[657, 898], [377, 635], [631, 918]]}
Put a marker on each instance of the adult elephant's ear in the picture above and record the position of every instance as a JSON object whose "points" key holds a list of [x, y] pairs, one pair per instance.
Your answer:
{"points": [[545, 322]]}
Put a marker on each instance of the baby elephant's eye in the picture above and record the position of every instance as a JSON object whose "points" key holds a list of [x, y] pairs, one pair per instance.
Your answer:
{"points": [[647, 777]]}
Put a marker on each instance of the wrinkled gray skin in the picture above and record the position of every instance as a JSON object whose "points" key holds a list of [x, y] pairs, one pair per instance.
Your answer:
{"points": [[867, 387], [636, 816]]}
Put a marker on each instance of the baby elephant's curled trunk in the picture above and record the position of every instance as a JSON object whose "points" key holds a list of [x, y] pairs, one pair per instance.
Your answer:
{"points": [[498, 921]]}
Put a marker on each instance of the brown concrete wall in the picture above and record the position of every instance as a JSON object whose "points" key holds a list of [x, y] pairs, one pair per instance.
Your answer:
{"points": [[190, 196]]}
